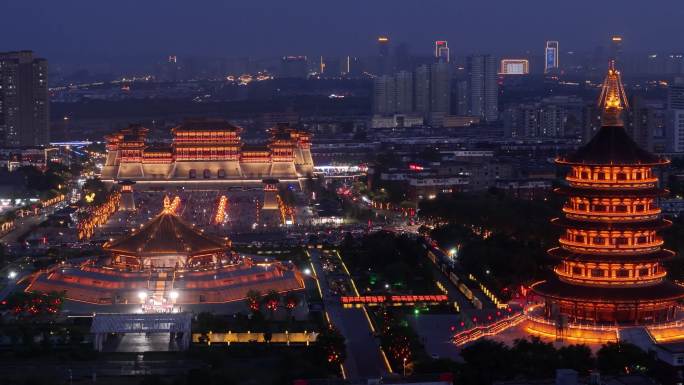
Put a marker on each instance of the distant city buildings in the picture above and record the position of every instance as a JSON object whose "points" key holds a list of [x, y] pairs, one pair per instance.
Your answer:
{"points": [[295, 67], [24, 104], [551, 61], [170, 70], [483, 88], [553, 117], [425, 92], [647, 123]]}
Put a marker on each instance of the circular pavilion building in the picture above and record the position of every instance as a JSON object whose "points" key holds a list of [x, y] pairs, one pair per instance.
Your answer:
{"points": [[610, 257], [167, 261]]}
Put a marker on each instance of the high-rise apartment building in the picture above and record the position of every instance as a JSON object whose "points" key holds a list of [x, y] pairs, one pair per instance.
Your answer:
{"points": [[404, 92], [432, 85], [483, 87], [552, 117], [440, 87], [616, 49], [551, 60], [675, 113], [393, 94], [384, 93], [384, 66], [24, 103]]}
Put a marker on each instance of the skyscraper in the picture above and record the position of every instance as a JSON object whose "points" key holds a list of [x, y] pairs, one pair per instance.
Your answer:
{"points": [[675, 116], [422, 89], [442, 50], [483, 87], [384, 102], [440, 87], [24, 104], [404, 92], [384, 57], [393, 94], [551, 62], [616, 49]]}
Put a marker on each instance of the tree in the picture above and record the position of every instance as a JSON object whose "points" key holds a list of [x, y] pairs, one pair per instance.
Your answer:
{"points": [[576, 357], [291, 301], [333, 345], [486, 361], [34, 304], [622, 357], [271, 301], [534, 358], [254, 300]]}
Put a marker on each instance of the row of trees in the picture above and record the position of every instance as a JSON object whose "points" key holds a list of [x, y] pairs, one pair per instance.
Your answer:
{"points": [[386, 258], [502, 241], [487, 361], [271, 301]]}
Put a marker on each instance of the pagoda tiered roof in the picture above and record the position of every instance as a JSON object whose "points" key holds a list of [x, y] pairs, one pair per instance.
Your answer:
{"points": [[612, 146], [564, 254], [663, 291], [607, 193], [655, 224]]}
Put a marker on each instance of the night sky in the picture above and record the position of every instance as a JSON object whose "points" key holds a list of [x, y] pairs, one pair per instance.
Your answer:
{"points": [[91, 31]]}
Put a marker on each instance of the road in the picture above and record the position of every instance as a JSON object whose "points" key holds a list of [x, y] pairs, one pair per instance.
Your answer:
{"points": [[364, 359]]}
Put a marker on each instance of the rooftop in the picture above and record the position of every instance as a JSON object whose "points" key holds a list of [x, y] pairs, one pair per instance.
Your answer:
{"points": [[166, 234]]}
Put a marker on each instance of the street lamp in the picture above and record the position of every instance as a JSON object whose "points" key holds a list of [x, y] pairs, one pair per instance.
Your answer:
{"points": [[404, 366], [12, 274], [307, 271]]}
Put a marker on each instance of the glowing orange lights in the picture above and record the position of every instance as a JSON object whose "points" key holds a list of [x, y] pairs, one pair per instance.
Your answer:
{"points": [[613, 98], [98, 216], [221, 210]]}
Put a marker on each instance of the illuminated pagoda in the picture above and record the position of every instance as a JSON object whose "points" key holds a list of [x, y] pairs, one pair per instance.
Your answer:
{"points": [[207, 149], [610, 268], [167, 261]]}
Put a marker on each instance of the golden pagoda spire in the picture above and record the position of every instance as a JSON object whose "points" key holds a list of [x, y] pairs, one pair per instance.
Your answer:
{"points": [[613, 99]]}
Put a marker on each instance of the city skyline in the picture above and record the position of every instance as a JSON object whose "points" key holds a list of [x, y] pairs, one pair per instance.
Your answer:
{"points": [[129, 30]]}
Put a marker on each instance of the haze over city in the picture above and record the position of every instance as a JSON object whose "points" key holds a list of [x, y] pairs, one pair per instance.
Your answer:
{"points": [[80, 31]]}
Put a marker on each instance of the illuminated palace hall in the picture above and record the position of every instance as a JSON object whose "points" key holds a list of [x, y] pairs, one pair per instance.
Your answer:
{"points": [[207, 149], [610, 258], [167, 261]]}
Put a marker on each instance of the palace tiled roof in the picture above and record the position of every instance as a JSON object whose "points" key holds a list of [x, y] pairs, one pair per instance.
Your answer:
{"points": [[166, 234]]}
